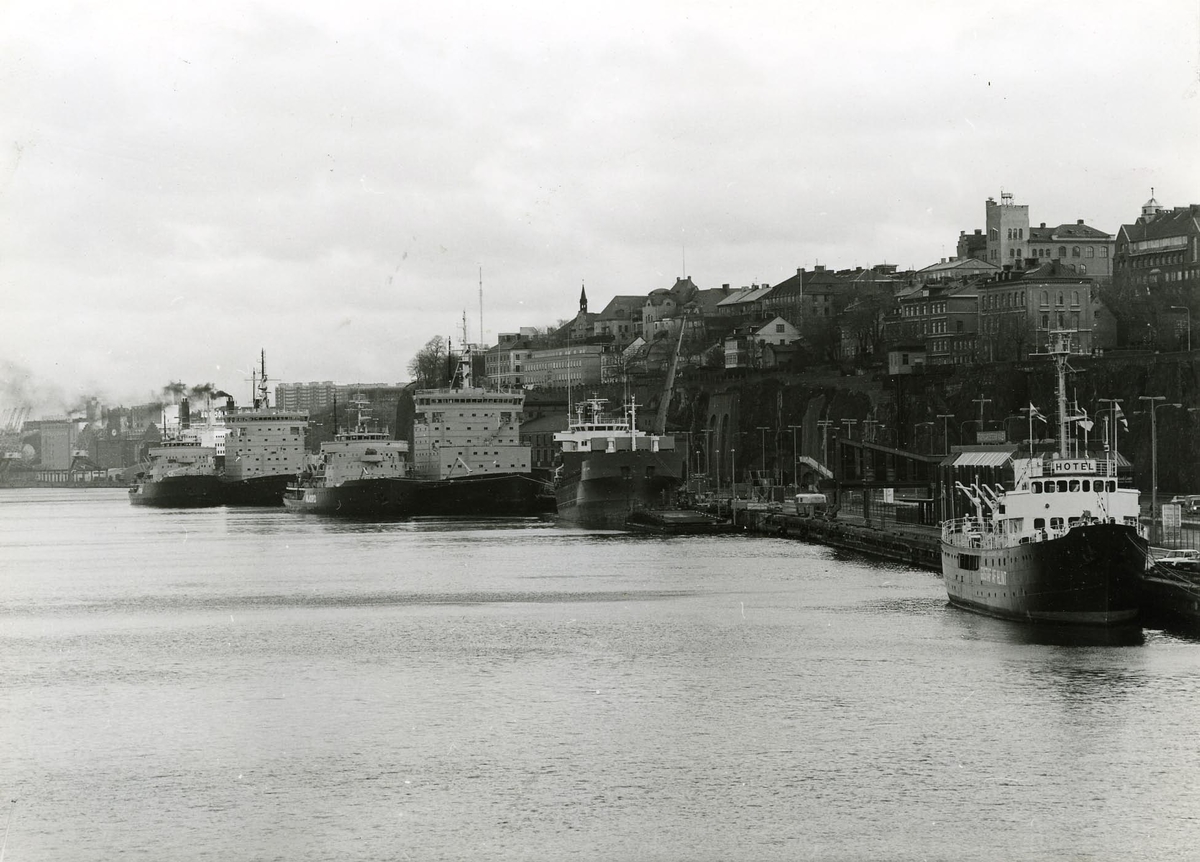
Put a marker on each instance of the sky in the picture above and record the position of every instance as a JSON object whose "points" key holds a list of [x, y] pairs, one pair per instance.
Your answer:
{"points": [[184, 185]]}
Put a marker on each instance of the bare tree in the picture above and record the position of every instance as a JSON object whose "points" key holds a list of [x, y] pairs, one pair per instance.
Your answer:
{"points": [[430, 367]]}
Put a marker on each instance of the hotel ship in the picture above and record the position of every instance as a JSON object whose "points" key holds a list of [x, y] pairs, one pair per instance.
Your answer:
{"points": [[1062, 545]]}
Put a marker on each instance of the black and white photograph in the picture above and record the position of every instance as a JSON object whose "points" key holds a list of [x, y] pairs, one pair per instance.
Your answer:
{"points": [[659, 431]]}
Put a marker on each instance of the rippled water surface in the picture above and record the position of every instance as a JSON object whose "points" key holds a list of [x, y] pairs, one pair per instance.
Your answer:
{"points": [[250, 684]]}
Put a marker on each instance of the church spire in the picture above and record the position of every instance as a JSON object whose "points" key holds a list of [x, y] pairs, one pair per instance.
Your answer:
{"points": [[582, 298]]}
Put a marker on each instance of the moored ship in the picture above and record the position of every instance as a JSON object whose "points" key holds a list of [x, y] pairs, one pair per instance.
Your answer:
{"points": [[264, 448], [610, 469], [180, 473], [355, 476], [1171, 588], [468, 458], [1062, 545]]}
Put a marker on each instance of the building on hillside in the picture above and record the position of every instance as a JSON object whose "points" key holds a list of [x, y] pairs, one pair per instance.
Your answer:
{"points": [[786, 299], [777, 331], [572, 365], [825, 294], [746, 305], [583, 326], [621, 320], [504, 363], [905, 358], [1020, 308], [1088, 249], [664, 305], [943, 317], [315, 396], [1007, 226], [1011, 242], [971, 245], [744, 346], [1159, 254], [956, 269], [781, 355]]}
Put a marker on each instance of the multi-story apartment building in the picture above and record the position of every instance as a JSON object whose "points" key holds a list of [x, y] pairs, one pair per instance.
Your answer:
{"points": [[504, 364], [1160, 252], [621, 319], [942, 317], [574, 365], [1011, 242], [664, 305], [314, 396], [1087, 249], [1019, 309]]}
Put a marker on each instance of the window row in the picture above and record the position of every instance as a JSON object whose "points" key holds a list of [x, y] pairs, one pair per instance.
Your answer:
{"points": [[1063, 486]]}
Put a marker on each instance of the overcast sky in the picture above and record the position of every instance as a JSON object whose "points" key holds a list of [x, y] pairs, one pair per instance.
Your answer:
{"points": [[186, 184]]}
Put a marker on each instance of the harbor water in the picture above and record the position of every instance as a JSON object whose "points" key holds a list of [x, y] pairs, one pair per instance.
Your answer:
{"points": [[253, 684]]}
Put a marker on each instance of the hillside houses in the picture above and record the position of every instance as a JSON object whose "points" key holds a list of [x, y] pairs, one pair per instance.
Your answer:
{"points": [[1009, 285]]}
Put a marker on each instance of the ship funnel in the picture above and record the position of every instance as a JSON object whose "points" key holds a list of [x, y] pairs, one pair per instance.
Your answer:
{"points": [[185, 413]]}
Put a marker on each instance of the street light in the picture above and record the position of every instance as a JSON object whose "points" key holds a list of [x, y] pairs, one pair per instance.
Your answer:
{"points": [[733, 484], [946, 430], [795, 457], [764, 429], [917, 433], [1154, 407], [981, 402], [1116, 405], [824, 425], [1187, 311]]}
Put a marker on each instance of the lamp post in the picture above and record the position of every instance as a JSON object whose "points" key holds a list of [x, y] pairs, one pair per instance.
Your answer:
{"points": [[763, 469], [824, 425], [981, 402], [945, 431], [1188, 312], [868, 434], [917, 433], [795, 457], [849, 426], [733, 485], [1154, 407], [1116, 405]]}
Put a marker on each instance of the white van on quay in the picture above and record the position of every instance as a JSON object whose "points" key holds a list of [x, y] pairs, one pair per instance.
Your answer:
{"points": [[810, 505]]}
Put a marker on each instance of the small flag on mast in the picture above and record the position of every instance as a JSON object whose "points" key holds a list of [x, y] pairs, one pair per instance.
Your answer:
{"points": [[1034, 414]]}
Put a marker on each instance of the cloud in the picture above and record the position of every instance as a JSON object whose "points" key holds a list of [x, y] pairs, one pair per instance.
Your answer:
{"points": [[184, 186]]}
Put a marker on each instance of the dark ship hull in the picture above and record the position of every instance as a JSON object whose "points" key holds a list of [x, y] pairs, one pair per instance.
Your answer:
{"points": [[1171, 594], [178, 492], [258, 491], [600, 490], [495, 495], [1090, 576]]}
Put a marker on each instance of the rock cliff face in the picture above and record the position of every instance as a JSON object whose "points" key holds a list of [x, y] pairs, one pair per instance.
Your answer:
{"points": [[903, 412]]}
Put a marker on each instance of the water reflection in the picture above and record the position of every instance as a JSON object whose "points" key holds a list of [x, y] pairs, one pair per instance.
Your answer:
{"points": [[982, 628]]}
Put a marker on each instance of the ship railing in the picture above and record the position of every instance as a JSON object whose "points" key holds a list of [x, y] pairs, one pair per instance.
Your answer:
{"points": [[970, 532]]}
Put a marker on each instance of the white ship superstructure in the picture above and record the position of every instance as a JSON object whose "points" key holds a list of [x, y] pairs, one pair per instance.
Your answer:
{"points": [[466, 430]]}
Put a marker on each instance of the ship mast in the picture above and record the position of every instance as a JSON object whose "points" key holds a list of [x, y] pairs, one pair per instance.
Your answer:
{"points": [[1060, 350], [261, 399]]}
